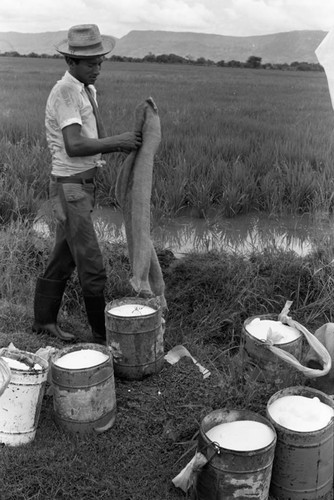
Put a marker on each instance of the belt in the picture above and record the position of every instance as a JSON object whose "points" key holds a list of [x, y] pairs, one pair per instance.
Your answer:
{"points": [[73, 180]]}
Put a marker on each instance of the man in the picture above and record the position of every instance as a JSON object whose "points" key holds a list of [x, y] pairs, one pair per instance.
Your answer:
{"points": [[76, 140]]}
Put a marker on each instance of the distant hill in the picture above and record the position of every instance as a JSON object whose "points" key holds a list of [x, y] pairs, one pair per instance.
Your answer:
{"points": [[276, 48], [25, 43]]}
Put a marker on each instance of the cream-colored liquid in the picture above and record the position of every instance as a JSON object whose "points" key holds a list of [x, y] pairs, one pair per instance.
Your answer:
{"points": [[300, 413], [242, 435], [14, 364], [275, 331], [83, 358], [131, 310]]}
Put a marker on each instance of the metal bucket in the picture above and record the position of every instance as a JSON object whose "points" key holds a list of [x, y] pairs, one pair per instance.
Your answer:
{"points": [[21, 402], [136, 341], [231, 474], [84, 399], [263, 365], [303, 463]]}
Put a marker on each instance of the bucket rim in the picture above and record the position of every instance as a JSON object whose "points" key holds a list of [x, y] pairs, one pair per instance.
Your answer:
{"points": [[259, 418], [78, 347], [150, 302], [23, 356], [264, 342], [316, 393]]}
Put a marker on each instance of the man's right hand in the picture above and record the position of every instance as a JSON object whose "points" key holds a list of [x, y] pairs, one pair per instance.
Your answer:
{"points": [[129, 141]]}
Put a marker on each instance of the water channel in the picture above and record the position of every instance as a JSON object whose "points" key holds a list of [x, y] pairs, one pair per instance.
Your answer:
{"points": [[241, 234]]}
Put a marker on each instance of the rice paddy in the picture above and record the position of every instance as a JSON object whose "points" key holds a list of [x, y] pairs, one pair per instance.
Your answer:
{"points": [[236, 140]]}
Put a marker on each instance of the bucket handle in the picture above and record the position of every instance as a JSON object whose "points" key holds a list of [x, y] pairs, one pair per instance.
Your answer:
{"points": [[289, 358], [5, 375], [210, 450]]}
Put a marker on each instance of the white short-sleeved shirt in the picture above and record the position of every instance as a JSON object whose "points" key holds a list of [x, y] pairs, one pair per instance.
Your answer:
{"points": [[68, 103]]}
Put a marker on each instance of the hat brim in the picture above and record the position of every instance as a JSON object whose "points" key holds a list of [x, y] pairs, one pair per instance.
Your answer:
{"points": [[107, 45]]}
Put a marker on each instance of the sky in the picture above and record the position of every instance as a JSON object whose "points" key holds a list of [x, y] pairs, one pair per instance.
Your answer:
{"points": [[119, 17]]}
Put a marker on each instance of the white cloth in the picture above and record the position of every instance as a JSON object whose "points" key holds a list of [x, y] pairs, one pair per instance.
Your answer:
{"points": [[68, 103], [325, 56]]}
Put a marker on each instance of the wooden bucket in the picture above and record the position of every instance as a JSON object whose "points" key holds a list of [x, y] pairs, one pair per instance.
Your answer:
{"points": [[21, 401], [303, 463], [136, 341], [265, 366], [231, 474], [84, 399]]}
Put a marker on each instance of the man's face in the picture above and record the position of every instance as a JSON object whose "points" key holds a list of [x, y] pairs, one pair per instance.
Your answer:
{"points": [[87, 70]]}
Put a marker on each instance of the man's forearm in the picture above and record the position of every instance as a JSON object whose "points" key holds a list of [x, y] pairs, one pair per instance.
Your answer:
{"points": [[85, 146]]}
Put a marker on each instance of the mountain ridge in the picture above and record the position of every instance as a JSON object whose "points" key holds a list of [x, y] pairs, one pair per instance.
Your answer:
{"points": [[283, 47]]}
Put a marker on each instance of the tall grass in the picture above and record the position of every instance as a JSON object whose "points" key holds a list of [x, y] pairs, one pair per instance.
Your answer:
{"points": [[209, 297], [235, 139], [24, 178]]}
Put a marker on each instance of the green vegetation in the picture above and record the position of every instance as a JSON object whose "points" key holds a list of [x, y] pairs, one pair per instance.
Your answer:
{"points": [[209, 297], [233, 140], [252, 61]]}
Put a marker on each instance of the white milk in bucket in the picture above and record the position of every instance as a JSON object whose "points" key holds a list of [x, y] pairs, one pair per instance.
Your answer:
{"points": [[242, 435], [261, 363], [274, 331], [135, 330], [300, 413], [303, 465], [22, 399], [84, 397], [84, 358], [20, 365], [15, 364], [129, 310], [239, 446]]}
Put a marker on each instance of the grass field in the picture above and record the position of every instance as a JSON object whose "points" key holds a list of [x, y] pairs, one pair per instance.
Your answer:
{"points": [[155, 433], [236, 140]]}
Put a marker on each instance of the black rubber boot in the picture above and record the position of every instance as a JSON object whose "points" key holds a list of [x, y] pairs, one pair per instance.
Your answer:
{"points": [[95, 313], [48, 297]]}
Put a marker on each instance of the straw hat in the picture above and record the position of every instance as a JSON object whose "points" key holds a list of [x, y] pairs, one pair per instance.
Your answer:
{"points": [[85, 40]]}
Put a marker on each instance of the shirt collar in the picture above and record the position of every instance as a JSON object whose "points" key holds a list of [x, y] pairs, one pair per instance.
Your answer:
{"points": [[70, 78]]}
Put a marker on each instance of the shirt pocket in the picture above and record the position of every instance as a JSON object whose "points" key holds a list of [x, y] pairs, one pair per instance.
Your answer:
{"points": [[73, 192]]}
